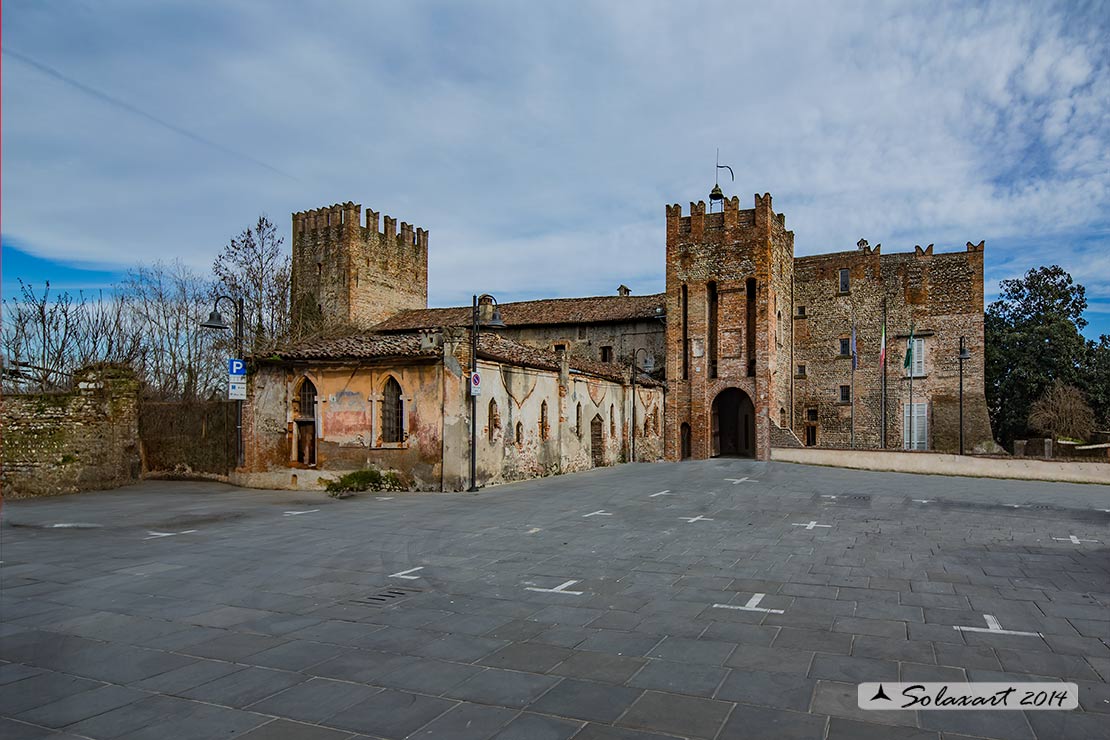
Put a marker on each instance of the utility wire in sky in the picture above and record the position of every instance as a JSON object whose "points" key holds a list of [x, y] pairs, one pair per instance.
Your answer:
{"points": [[106, 98]]}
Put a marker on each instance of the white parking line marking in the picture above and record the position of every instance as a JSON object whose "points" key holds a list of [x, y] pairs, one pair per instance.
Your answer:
{"points": [[1015, 506], [296, 513], [828, 495], [599, 512], [384, 498], [661, 493], [155, 535], [560, 589], [995, 627], [741, 480], [924, 500], [751, 606], [1072, 539], [809, 525], [533, 530], [698, 518], [405, 574]]}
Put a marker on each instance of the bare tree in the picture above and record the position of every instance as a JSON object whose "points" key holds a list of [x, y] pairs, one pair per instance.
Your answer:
{"points": [[1062, 412], [179, 359], [255, 267]]}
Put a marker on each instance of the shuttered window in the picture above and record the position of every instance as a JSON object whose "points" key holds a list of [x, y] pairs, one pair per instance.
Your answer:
{"points": [[917, 364], [920, 426]]}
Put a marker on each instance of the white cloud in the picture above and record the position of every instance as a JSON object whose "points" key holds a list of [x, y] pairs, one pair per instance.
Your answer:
{"points": [[539, 144]]}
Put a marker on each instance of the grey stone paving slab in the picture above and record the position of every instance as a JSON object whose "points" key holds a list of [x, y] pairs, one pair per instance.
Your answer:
{"points": [[502, 688], [539, 727], [680, 678], [846, 729], [880, 590], [281, 729], [20, 696], [314, 700], [390, 714], [586, 700], [681, 715], [77, 707], [467, 722], [244, 687]]}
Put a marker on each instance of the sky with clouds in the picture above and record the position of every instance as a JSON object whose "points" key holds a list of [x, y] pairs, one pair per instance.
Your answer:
{"points": [[539, 143]]}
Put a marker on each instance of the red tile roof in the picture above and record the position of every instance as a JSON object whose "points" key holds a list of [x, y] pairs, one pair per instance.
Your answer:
{"points": [[547, 312], [491, 346]]}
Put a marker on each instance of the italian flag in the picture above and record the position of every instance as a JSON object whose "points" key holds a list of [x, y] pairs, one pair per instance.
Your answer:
{"points": [[882, 345]]}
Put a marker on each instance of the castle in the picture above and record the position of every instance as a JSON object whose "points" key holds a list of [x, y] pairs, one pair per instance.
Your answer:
{"points": [[749, 348]]}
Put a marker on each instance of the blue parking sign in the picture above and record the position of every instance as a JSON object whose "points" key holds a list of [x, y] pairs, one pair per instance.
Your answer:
{"points": [[236, 367]]}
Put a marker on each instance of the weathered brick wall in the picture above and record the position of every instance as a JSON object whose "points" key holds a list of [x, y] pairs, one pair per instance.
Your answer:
{"points": [[66, 442], [347, 272], [586, 340], [941, 293]]}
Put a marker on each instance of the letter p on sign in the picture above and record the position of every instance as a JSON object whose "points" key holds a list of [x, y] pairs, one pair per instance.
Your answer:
{"points": [[236, 367]]}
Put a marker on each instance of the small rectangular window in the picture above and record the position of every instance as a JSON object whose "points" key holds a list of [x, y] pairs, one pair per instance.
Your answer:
{"points": [[917, 362], [845, 394], [811, 414], [845, 347], [801, 371], [920, 426], [606, 354], [845, 280], [801, 311], [560, 348]]}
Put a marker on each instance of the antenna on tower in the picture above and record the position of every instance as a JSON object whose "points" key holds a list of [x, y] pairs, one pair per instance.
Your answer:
{"points": [[715, 195]]}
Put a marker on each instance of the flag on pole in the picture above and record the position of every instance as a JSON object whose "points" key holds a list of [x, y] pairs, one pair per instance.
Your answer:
{"points": [[909, 349], [855, 361], [882, 344]]}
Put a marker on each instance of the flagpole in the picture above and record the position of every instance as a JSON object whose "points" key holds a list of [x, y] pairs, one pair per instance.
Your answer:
{"points": [[853, 432], [909, 360], [882, 384]]}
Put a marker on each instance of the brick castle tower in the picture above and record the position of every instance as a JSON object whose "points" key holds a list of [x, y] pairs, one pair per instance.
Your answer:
{"points": [[346, 272], [729, 277]]}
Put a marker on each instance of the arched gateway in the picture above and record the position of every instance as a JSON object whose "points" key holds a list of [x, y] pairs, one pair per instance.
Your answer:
{"points": [[733, 424]]}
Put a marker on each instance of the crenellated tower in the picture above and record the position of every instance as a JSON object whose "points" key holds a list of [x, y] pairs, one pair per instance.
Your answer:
{"points": [[728, 346], [349, 272]]}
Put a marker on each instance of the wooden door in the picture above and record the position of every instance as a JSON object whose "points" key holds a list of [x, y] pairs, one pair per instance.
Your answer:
{"points": [[597, 443]]}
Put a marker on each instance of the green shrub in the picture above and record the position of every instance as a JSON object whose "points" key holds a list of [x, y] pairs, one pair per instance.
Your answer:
{"points": [[368, 479]]}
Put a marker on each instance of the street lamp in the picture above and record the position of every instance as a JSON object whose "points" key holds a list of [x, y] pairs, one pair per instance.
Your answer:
{"points": [[215, 321], [649, 365], [963, 357], [493, 322]]}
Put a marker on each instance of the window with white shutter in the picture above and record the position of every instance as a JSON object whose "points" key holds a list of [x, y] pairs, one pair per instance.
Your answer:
{"points": [[917, 364], [920, 426]]}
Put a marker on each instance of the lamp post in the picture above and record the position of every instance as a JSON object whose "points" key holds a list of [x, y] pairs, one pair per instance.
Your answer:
{"points": [[648, 366], [964, 356], [494, 322], [215, 321]]}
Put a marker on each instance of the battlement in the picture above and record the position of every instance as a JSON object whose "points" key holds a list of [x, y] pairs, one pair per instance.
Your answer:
{"points": [[731, 216], [346, 216]]}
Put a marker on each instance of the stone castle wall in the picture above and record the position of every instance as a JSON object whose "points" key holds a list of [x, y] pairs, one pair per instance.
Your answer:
{"points": [[347, 272], [57, 443]]}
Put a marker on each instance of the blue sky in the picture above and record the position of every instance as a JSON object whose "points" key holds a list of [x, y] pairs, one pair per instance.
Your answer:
{"points": [[539, 143]]}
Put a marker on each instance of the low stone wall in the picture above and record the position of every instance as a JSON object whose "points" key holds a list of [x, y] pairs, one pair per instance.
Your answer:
{"points": [[943, 464], [84, 439]]}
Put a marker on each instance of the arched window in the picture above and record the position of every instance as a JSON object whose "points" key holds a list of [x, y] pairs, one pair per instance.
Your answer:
{"points": [[655, 420], [782, 417], [519, 433], [543, 420], [647, 424], [304, 405], [612, 421], [711, 308], [578, 421], [393, 412], [494, 420]]}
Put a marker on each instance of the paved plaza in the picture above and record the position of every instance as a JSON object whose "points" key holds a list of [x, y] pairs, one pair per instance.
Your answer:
{"points": [[716, 599]]}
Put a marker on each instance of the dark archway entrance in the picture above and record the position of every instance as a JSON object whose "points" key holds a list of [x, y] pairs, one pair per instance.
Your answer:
{"points": [[685, 450], [733, 424]]}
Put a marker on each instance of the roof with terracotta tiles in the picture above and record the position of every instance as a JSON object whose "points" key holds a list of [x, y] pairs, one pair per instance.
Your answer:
{"points": [[547, 312]]}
